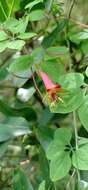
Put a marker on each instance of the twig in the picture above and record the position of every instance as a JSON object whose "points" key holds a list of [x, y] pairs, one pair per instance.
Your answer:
{"points": [[79, 23], [37, 89], [71, 7]]}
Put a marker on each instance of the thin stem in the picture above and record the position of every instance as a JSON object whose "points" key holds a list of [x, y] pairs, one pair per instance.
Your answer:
{"points": [[79, 23], [75, 129], [3, 10], [55, 186], [71, 7], [10, 12], [69, 182], [76, 142], [37, 89]]}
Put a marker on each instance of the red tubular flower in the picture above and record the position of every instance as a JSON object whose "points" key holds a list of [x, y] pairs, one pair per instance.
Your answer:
{"points": [[51, 88]]}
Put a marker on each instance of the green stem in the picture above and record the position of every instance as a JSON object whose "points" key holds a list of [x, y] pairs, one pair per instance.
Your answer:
{"points": [[76, 142], [69, 182], [3, 10], [10, 12], [75, 129], [55, 187]]}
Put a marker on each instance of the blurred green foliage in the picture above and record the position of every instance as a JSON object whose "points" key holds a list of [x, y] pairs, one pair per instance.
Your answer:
{"points": [[43, 132]]}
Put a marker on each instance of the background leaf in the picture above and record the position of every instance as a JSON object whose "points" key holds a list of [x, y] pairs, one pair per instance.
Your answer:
{"points": [[20, 181], [83, 113]]}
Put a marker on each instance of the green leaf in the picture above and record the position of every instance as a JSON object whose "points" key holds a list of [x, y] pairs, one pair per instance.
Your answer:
{"points": [[59, 135], [46, 117], [84, 46], [45, 136], [27, 35], [80, 158], [86, 71], [36, 15], [20, 181], [3, 74], [78, 37], [3, 45], [71, 80], [52, 37], [44, 165], [3, 148], [42, 186], [32, 4], [60, 166], [22, 63], [71, 101], [38, 55], [82, 141], [25, 111], [16, 44], [10, 131], [59, 142], [3, 36], [83, 113], [57, 51], [16, 26], [53, 68]]}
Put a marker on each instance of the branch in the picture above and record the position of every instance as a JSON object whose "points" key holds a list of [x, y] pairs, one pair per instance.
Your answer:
{"points": [[71, 7]]}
